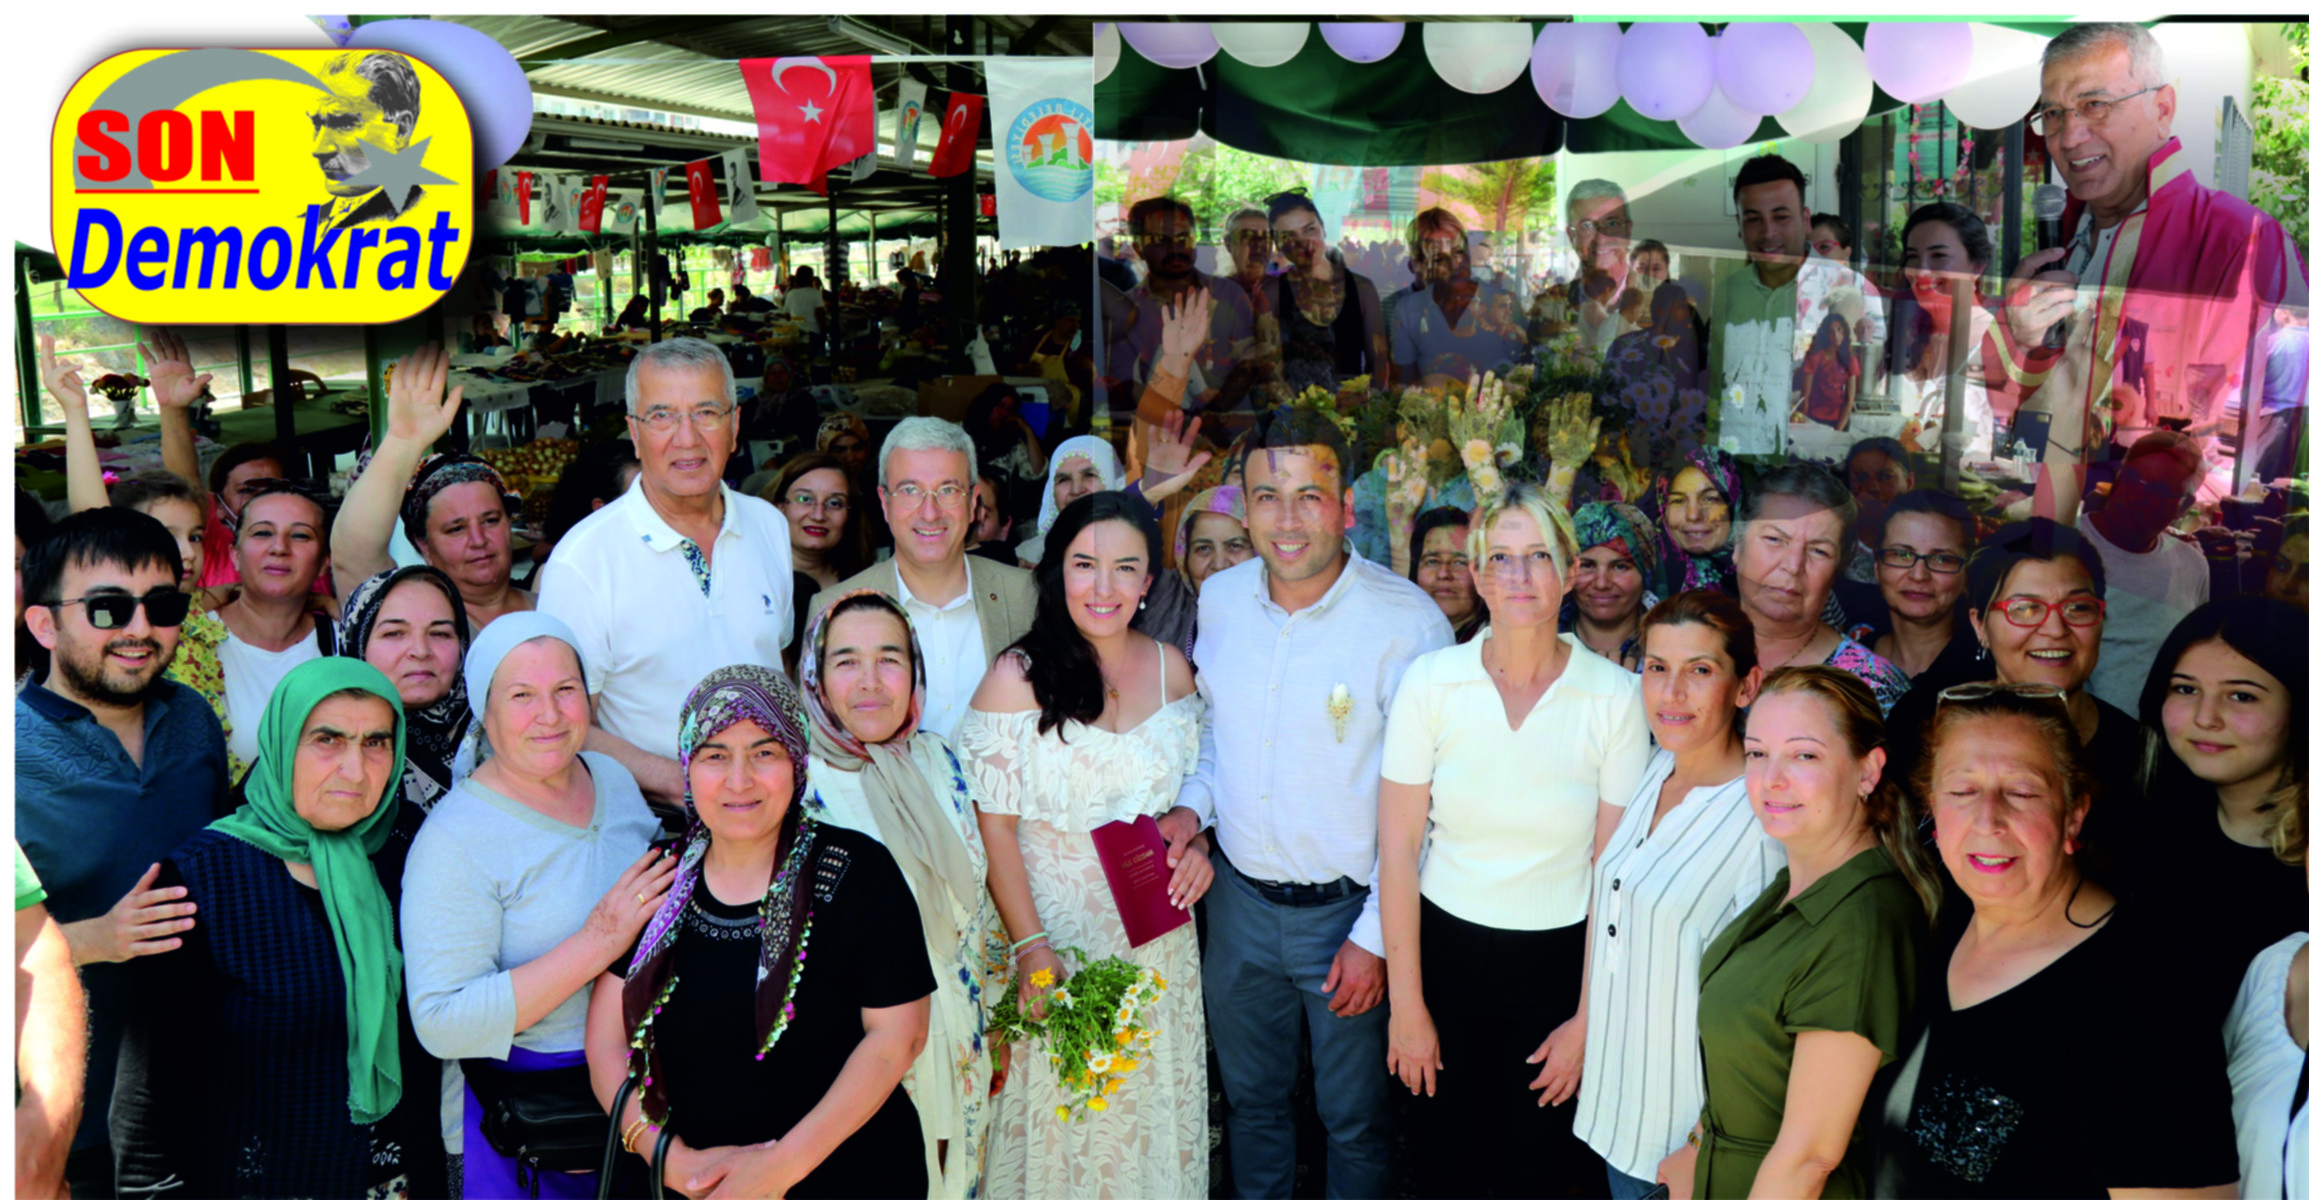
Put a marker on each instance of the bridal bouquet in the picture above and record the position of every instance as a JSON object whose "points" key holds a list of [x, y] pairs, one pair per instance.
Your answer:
{"points": [[1094, 1028]]}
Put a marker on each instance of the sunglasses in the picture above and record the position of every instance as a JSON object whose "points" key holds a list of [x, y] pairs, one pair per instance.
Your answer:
{"points": [[1966, 693], [166, 607]]}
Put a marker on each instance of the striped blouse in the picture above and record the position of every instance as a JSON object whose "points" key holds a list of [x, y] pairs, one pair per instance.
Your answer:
{"points": [[1660, 897]]}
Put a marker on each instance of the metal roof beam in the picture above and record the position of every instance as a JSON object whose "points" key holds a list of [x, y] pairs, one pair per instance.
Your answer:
{"points": [[644, 31]]}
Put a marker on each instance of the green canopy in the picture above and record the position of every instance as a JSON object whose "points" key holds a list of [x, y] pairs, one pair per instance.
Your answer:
{"points": [[1397, 112]]}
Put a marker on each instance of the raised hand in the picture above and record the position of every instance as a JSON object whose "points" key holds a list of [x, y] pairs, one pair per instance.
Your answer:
{"points": [[1187, 324], [1406, 484], [1171, 458], [170, 364], [1572, 433], [61, 381], [417, 410]]}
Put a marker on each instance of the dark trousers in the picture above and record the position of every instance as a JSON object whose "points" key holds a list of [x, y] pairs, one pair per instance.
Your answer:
{"points": [[1495, 995], [88, 1172], [2276, 452]]}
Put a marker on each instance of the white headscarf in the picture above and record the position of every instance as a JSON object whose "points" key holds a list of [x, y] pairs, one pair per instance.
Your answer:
{"points": [[1101, 454], [483, 657]]}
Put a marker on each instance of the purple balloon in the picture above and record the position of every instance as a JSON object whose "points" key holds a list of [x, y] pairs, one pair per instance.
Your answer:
{"points": [[1174, 44], [1667, 69], [338, 28], [1764, 66], [1363, 41], [485, 74], [1575, 67], [1919, 61]]}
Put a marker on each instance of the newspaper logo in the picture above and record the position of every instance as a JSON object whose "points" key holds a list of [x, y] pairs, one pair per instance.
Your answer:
{"points": [[233, 186]]}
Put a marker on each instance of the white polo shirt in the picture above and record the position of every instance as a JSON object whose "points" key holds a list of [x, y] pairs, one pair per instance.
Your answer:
{"points": [[953, 652], [650, 625]]}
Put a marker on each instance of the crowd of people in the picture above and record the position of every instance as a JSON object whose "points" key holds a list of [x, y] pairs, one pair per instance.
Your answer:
{"points": [[1771, 828]]}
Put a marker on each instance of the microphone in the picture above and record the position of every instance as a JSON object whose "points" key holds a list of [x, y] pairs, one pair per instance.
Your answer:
{"points": [[2051, 202]]}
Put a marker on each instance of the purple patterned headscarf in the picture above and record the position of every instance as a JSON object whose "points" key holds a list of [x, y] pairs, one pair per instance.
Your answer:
{"points": [[722, 699], [444, 471], [1711, 571]]}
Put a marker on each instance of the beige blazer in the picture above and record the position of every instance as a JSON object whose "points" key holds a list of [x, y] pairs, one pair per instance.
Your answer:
{"points": [[1005, 598]]}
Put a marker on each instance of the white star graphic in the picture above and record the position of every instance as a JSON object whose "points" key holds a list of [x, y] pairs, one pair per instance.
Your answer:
{"points": [[810, 112]]}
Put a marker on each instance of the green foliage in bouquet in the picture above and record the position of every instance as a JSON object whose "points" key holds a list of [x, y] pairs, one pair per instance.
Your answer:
{"points": [[1094, 1029]]}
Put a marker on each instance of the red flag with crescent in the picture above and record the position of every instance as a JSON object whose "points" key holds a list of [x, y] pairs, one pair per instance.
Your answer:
{"points": [[812, 114], [705, 200], [958, 135], [522, 182], [589, 208]]}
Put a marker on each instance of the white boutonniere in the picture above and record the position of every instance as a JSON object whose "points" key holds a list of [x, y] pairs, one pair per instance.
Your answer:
{"points": [[1339, 706]]}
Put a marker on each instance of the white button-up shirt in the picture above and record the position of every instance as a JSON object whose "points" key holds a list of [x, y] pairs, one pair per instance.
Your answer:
{"points": [[652, 618], [1297, 720], [953, 652]]}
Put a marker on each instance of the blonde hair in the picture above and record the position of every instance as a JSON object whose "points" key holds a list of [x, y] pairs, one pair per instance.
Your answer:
{"points": [[1890, 811], [1532, 500]]}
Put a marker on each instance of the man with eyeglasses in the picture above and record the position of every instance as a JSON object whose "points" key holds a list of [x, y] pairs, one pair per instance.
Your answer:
{"points": [[965, 609], [1163, 230], [1765, 308], [2147, 250], [1601, 231], [115, 767], [680, 576]]}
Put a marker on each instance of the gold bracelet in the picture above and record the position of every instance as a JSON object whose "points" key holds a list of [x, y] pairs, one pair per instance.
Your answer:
{"points": [[639, 1124], [1692, 1138]]}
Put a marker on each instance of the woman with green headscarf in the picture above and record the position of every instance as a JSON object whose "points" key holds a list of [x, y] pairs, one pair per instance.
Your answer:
{"points": [[264, 1054]]}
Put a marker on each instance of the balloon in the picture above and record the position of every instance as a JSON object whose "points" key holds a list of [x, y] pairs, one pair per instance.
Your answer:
{"points": [[1764, 67], [338, 28], [1917, 61], [1105, 50], [1666, 68], [1720, 124], [1175, 44], [1363, 41], [2005, 77], [1262, 43], [1575, 67], [1841, 90], [1480, 57], [487, 79]]}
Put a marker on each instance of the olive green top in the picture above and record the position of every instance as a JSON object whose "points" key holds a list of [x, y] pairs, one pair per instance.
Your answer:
{"points": [[1841, 957]]}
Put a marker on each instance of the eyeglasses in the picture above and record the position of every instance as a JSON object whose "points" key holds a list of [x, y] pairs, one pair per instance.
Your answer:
{"points": [[1160, 240], [707, 418], [833, 501], [1827, 246], [166, 607], [1966, 693], [2076, 612], [911, 495], [1615, 226], [1443, 562], [1939, 562], [2046, 122]]}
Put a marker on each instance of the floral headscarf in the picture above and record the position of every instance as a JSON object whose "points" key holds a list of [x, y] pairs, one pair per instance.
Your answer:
{"points": [[1712, 571], [897, 789], [1226, 501], [434, 730], [444, 471], [722, 699], [1622, 527]]}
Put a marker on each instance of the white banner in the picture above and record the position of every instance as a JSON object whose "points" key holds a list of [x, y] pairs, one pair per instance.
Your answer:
{"points": [[561, 202], [738, 171], [911, 93], [657, 192], [1040, 112]]}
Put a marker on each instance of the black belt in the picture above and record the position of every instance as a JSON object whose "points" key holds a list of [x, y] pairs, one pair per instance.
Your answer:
{"points": [[1302, 895]]}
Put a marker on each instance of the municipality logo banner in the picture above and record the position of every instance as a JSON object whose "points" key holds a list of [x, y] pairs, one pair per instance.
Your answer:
{"points": [[231, 186], [1042, 175]]}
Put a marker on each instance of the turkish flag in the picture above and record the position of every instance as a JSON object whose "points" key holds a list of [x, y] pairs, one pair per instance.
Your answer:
{"points": [[522, 182], [958, 136], [705, 202], [813, 114], [589, 209]]}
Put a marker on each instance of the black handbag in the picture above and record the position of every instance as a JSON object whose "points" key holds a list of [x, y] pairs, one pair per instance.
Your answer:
{"points": [[542, 1120]]}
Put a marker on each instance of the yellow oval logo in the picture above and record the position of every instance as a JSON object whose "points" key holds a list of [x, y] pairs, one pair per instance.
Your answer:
{"points": [[230, 186]]}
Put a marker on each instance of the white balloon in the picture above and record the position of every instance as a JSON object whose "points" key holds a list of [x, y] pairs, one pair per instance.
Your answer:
{"points": [[1575, 67], [1763, 66], [1105, 50], [1720, 124], [1363, 41], [1667, 68], [1262, 43], [2005, 79], [1480, 57], [1917, 62], [1174, 44], [1841, 88]]}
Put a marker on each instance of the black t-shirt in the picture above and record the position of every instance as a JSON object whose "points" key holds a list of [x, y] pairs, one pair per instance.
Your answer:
{"points": [[2226, 901], [865, 951], [2034, 1093]]}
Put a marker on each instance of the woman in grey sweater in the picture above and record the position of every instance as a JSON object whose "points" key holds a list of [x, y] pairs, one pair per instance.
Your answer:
{"points": [[527, 880]]}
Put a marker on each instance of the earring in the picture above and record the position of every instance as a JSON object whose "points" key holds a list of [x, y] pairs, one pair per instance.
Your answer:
{"points": [[1980, 654], [1142, 604]]}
